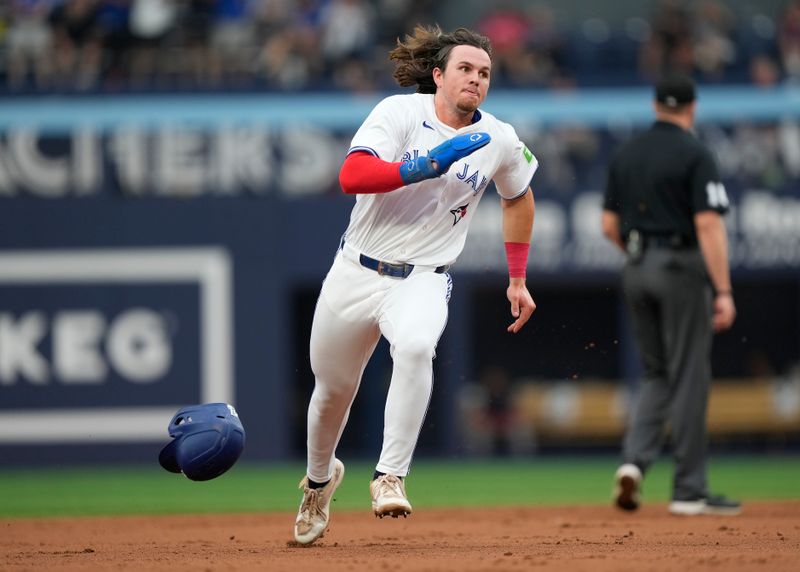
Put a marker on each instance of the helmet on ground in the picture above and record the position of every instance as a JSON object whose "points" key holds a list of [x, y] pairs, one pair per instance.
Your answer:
{"points": [[208, 440]]}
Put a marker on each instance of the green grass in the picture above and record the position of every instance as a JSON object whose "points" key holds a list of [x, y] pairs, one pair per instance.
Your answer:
{"points": [[273, 487]]}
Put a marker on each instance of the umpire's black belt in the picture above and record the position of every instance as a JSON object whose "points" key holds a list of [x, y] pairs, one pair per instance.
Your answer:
{"points": [[671, 241], [389, 268]]}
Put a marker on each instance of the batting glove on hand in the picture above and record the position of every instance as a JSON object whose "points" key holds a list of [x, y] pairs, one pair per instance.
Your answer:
{"points": [[441, 157]]}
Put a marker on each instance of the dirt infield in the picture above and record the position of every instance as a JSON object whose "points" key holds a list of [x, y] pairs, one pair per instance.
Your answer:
{"points": [[766, 537]]}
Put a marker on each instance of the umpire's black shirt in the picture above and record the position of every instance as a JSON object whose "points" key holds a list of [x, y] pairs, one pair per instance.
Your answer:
{"points": [[659, 179]]}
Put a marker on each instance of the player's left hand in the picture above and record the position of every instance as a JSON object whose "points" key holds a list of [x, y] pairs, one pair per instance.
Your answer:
{"points": [[522, 304]]}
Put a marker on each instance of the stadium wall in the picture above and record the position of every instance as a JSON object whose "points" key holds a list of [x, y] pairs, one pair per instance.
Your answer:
{"points": [[157, 251]]}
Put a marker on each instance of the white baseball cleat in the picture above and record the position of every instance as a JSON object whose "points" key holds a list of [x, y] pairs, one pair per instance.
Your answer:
{"points": [[626, 492], [389, 497], [314, 514]]}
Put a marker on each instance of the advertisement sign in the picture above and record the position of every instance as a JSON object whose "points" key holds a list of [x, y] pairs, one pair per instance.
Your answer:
{"points": [[105, 344]]}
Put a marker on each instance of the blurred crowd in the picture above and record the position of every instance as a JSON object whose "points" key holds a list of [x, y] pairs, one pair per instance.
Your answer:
{"points": [[56, 46]]}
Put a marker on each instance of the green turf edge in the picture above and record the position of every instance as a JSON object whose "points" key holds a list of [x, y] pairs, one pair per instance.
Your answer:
{"points": [[252, 487]]}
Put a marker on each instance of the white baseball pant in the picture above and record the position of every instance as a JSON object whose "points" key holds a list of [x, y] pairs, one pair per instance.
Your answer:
{"points": [[357, 305]]}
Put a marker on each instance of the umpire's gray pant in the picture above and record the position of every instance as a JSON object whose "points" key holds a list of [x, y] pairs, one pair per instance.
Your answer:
{"points": [[670, 301]]}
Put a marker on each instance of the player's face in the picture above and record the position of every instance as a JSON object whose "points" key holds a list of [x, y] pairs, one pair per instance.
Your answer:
{"points": [[465, 80]]}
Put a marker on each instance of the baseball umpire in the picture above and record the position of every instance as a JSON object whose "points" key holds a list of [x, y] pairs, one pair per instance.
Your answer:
{"points": [[663, 205], [418, 165]]}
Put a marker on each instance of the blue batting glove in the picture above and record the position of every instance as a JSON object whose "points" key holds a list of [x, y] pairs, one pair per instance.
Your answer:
{"points": [[442, 157]]}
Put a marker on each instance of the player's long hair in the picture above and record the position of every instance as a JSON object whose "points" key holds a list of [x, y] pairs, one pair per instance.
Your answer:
{"points": [[428, 48]]}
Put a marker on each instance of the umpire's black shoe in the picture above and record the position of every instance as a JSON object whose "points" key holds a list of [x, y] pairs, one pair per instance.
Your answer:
{"points": [[712, 504], [626, 491]]}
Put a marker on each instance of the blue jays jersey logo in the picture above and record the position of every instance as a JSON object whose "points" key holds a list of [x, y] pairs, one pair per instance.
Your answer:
{"points": [[410, 155], [472, 179], [459, 213]]}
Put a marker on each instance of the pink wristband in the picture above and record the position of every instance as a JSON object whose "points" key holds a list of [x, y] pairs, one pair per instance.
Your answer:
{"points": [[517, 255]]}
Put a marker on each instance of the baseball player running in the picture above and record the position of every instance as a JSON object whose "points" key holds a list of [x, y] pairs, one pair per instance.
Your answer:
{"points": [[418, 166]]}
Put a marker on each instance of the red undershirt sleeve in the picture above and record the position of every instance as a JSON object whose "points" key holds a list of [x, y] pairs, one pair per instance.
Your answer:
{"points": [[364, 173]]}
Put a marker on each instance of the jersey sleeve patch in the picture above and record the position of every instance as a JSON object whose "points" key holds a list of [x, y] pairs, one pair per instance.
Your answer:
{"points": [[716, 197], [527, 153]]}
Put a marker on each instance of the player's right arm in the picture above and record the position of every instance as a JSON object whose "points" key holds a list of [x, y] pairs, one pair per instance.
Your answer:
{"points": [[363, 172]]}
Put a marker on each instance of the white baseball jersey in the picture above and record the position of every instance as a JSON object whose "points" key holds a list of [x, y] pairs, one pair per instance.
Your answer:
{"points": [[426, 223]]}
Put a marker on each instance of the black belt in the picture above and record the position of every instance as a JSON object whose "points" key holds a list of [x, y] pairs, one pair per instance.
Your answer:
{"points": [[636, 241], [389, 269], [672, 241], [393, 270]]}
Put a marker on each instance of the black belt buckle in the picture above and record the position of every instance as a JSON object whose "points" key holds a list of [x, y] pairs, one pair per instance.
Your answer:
{"points": [[394, 270], [679, 242], [634, 246]]}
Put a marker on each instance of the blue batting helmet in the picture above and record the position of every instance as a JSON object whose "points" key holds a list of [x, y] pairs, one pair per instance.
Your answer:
{"points": [[208, 440]]}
